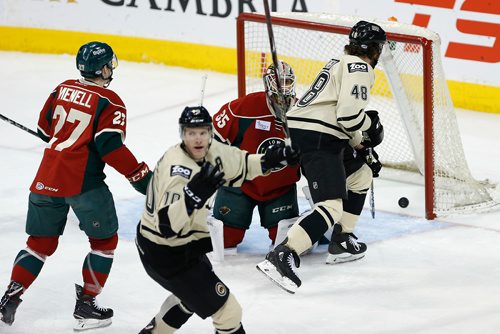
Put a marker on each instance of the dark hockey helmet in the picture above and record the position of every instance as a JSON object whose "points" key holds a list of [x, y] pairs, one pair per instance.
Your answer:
{"points": [[92, 57], [195, 117], [365, 33]]}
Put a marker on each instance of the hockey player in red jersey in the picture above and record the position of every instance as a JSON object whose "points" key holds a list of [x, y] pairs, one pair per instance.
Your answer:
{"points": [[84, 124], [250, 124]]}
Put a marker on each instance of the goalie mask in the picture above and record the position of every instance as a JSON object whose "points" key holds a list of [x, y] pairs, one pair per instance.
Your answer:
{"points": [[92, 57], [287, 85]]}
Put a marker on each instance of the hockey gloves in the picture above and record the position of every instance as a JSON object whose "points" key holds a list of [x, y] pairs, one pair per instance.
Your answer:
{"points": [[140, 177], [371, 159], [375, 134], [202, 186], [278, 156]]}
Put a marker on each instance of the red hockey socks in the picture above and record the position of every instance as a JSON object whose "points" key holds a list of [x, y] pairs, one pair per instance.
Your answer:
{"points": [[29, 261], [97, 264]]}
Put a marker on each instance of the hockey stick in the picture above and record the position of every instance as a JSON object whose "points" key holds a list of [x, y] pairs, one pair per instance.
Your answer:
{"points": [[203, 83], [281, 114], [372, 191], [372, 201], [20, 126]]}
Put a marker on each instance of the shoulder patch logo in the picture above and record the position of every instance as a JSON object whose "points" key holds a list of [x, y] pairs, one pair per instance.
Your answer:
{"points": [[357, 67], [263, 125], [178, 170], [220, 289]]}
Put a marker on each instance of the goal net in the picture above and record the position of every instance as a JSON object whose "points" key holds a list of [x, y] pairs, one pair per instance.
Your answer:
{"points": [[422, 138]]}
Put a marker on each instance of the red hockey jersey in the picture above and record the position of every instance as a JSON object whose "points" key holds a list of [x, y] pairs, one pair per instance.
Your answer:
{"points": [[82, 123], [249, 124]]}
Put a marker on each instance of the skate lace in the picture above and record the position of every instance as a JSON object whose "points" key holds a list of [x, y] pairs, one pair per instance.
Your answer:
{"points": [[97, 307], [291, 263], [354, 242]]}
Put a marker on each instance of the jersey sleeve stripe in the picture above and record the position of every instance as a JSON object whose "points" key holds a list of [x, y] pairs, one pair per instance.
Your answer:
{"points": [[317, 121], [43, 132], [351, 125], [220, 138], [122, 134], [349, 118]]}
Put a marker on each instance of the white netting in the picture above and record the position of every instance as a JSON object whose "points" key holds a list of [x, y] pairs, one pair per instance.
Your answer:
{"points": [[397, 95]]}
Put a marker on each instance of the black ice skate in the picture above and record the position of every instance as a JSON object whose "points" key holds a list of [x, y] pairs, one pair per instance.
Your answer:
{"points": [[10, 301], [149, 327], [344, 247], [279, 266], [88, 313]]}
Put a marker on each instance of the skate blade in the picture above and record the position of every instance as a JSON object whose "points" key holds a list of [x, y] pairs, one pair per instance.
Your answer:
{"points": [[270, 272], [341, 258], [84, 324]]}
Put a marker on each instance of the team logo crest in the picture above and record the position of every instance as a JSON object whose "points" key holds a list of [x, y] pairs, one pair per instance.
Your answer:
{"points": [[268, 142], [220, 289], [224, 210]]}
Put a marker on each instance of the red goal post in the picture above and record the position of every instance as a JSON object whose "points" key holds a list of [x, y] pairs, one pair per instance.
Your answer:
{"points": [[422, 136]]}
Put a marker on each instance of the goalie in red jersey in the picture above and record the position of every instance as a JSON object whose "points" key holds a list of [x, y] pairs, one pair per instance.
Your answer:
{"points": [[84, 124], [250, 123]]}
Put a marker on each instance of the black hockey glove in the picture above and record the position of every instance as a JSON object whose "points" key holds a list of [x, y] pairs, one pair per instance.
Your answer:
{"points": [[278, 156], [371, 159], [375, 134], [202, 186]]}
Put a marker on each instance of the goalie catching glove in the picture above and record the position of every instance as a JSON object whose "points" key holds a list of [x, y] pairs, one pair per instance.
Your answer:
{"points": [[371, 159], [278, 156], [202, 186], [375, 134]]}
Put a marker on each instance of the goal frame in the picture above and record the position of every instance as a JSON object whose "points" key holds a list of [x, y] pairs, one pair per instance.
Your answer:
{"points": [[427, 89]]}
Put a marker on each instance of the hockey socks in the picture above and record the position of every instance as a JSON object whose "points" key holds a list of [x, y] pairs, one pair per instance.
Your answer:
{"points": [[27, 267], [96, 268]]}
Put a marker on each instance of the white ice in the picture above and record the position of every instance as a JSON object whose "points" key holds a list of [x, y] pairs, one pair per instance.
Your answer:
{"points": [[418, 276]]}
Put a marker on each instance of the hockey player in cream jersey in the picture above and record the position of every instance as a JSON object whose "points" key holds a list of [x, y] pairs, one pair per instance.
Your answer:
{"points": [[173, 236], [336, 137]]}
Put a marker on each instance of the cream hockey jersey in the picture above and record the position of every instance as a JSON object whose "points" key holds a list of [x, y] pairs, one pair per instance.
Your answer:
{"points": [[165, 192], [335, 102]]}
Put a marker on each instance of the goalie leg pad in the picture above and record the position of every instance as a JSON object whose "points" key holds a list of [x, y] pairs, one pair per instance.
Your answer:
{"points": [[283, 228], [216, 228]]}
